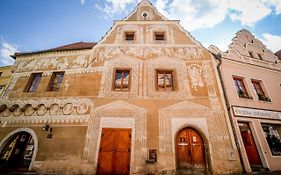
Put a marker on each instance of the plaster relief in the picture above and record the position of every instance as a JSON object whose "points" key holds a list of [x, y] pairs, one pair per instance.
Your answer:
{"points": [[195, 74]]}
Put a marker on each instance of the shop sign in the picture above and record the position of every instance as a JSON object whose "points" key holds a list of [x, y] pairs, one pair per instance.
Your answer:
{"points": [[256, 113]]}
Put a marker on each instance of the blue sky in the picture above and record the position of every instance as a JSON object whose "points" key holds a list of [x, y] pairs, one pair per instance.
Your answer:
{"points": [[32, 25]]}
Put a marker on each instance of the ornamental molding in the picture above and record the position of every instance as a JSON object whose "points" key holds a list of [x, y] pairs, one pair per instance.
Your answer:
{"points": [[117, 109], [148, 51], [45, 119], [63, 62], [185, 105], [107, 80], [182, 82], [62, 110], [216, 129]]}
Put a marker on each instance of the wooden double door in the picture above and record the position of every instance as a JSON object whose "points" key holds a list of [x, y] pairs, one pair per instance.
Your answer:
{"points": [[114, 152], [190, 151]]}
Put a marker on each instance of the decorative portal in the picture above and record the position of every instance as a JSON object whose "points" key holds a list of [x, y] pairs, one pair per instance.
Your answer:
{"points": [[17, 152], [190, 152]]}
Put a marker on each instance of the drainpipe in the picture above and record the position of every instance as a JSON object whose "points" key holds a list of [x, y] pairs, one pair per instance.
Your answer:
{"points": [[218, 57]]}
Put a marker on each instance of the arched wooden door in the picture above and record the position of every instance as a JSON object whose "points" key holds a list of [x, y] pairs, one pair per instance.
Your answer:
{"points": [[190, 152], [17, 152]]}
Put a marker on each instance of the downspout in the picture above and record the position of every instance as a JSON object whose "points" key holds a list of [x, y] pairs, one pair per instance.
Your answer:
{"points": [[218, 57]]}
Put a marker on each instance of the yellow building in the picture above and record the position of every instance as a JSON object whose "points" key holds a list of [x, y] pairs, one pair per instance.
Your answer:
{"points": [[144, 99], [5, 75]]}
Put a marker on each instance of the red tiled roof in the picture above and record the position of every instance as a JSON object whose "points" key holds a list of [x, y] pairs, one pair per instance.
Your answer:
{"points": [[74, 46], [278, 54]]}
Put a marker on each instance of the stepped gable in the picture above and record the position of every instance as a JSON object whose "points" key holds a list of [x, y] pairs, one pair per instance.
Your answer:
{"points": [[245, 44]]}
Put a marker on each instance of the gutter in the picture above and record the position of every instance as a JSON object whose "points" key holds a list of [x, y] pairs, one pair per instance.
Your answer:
{"points": [[219, 57]]}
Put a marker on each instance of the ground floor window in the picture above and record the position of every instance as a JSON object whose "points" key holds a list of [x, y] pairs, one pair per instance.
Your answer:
{"points": [[272, 134], [18, 151]]}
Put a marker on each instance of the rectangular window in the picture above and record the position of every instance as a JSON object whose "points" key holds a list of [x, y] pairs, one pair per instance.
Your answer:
{"points": [[272, 134], [33, 82], [259, 55], [251, 54], [165, 80], [259, 90], [129, 36], [56, 81], [0, 74], [240, 87], [159, 36], [121, 80]]}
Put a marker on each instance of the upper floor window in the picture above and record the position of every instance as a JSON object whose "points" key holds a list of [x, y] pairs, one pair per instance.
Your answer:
{"points": [[121, 80], [56, 81], [33, 82], [240, 87], [165, 80], [129, 36], [259, 90], [159, 36], [251, 54]]}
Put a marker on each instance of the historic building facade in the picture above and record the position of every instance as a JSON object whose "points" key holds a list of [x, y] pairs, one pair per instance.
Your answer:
{"points": [[5, 75], [144, 99], [251, 76]]}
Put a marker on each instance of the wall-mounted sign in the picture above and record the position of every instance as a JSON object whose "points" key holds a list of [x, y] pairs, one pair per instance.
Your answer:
{"points": [[256, 113]]}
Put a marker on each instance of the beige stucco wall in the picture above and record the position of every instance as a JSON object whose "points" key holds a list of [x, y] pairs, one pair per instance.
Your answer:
{"points": [[154, 117], [5, 77]]}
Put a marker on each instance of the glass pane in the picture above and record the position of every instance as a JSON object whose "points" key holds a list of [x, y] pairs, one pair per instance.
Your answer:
{"points": [[57, 82], [169, 82], [125, 83], [272, 134], [161, 80], [35, 82]]}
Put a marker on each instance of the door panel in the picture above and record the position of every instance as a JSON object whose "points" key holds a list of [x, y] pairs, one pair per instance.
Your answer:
{"points": [[190, 150], [250, 146], [114, 156]]}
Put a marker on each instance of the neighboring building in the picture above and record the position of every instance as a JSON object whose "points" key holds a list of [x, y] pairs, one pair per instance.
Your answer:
{"points": [[145, 99], [278, 54], [251, 76], [5, 76]]}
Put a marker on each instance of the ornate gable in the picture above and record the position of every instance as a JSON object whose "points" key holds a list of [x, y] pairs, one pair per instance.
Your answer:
{"points": [[145, 11]]}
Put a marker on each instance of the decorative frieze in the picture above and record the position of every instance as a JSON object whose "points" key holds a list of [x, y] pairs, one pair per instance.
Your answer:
{"points": [[42, 110]]}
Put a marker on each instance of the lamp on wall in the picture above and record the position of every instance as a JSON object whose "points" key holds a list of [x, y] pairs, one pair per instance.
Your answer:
{"points": [[50, 133], [46, 127]]}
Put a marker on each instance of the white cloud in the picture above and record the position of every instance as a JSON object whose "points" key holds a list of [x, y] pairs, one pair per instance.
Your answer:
{"points": [[248, 12], [272, 42], [111, 7], [5, 52], [197, 14], [82, 2]]}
